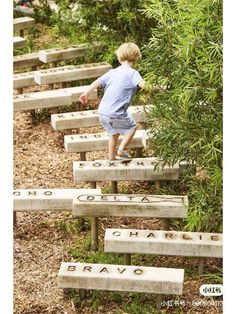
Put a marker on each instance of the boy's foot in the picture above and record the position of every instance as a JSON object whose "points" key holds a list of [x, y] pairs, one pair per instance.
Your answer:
{"points": [[122, 156], [123, 159]]}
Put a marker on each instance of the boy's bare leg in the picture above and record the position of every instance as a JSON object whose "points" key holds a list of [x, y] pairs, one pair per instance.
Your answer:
{"points": [[112, 145], [126, 139]]}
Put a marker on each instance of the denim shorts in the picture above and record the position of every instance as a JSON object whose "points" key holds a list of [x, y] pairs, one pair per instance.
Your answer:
{"points": [[117, 125]]}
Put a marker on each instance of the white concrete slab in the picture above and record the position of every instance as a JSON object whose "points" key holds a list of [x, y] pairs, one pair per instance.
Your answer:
{"points": [[71, 73], [39, 100], [121, 278], [89, 118], [18, 42], [26, 60], [47, 199], [99, 141], [58, 54], [49, 99], [140, 169], [159, 242], [130, 205], [22, 80], [22, 23]]}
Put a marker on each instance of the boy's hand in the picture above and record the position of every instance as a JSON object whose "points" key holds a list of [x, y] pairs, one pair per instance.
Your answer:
{"points": [[83, 99]]}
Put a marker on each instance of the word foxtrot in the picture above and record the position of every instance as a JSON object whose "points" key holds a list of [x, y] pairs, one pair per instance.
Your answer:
{"points": [[141, 169]]}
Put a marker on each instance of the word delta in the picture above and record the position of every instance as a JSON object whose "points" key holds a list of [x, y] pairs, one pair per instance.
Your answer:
{"points": [[33, 193], [136, 271], [129, 198], [168, 235]]}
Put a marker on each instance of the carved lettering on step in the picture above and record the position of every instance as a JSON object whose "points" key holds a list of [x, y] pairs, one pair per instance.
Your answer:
{"points": [[169, 236], [151, 235], [116, 233], [97, 164], [48, 193], [104, 270], [186, 237], [138, 271], [145, 199], [140, 163], [16, 193], [32, 192], [90, 198], [88, 268], [133, 234], [121, 272], [215, 238], [71, 268]]}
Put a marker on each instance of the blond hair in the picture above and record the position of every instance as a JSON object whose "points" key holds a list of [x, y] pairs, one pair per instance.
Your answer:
{"points": [[128, 52]]}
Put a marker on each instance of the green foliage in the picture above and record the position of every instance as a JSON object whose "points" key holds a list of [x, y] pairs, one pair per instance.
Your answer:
{"points": [[185, 55], [109, 22]]}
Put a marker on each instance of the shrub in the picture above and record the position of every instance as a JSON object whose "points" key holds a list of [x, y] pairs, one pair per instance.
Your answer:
{"points": [[185, 55]]}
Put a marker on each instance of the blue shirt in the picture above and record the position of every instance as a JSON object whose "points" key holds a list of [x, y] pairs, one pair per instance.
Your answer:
{"points": [[120, 85]]}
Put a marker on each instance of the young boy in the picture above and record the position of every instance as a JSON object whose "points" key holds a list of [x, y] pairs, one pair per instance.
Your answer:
{"points": [[120, 85]]}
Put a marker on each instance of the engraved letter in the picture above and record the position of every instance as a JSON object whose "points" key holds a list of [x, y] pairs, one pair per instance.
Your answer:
{"points": [[16, 193], [121, 272], [71, 268], [104, 198], [32, 193], [133, 234], [104, 270], [151, 235], [169, 236], [47, 193], [116, 233], [215, 238], [87, 268], [145, 199], [97, 164], [90, 198], [186, 237], [140, 163], [138, 271]]}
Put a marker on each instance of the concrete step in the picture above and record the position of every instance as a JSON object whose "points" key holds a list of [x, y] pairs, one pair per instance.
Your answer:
{"points": [[159, 242], [131, 205], [89, 118], [59, 74], [26, 60], [71, 73], [22, 23], [58, 54], [49, 99], [138, 169], [47, 199], [121, 278], [99, 141], [18, 42]]}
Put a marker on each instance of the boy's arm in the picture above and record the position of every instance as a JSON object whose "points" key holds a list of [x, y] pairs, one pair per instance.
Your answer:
{"points": [[84, 97], [148, 87]]}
